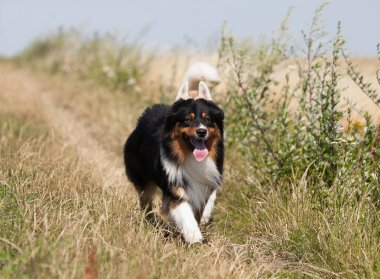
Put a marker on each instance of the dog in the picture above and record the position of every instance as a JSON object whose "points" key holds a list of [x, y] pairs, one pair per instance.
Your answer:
{"points": [[180, 149]]}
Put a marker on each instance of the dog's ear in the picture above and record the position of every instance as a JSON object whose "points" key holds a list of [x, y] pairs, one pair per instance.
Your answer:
{"points": [[183, 92], [204, 92]]}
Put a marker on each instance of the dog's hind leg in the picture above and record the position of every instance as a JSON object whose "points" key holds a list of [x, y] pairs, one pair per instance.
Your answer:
{"points": [[146, 194]]}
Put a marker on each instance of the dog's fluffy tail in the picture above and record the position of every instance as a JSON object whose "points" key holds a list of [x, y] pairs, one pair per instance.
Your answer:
{"points": [[201, 71]]}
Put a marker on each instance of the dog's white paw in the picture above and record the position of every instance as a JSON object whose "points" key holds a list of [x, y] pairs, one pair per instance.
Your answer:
{"points": [[205, 219], [192, 236]]}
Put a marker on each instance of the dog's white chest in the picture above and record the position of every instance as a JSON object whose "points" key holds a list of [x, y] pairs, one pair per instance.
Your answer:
{"points": [[199, 179]]}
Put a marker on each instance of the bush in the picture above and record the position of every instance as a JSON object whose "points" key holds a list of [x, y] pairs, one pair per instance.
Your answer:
{"points": [[102, 58], [281, 141]]}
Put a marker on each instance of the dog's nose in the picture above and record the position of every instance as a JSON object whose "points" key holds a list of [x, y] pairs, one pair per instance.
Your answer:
{"points": [[201, 132]]}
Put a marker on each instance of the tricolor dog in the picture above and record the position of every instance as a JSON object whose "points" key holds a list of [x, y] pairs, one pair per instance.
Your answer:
{"points": [[180, 149]]}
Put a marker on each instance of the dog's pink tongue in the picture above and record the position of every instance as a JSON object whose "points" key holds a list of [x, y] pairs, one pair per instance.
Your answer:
{"points": [[200, 151]]}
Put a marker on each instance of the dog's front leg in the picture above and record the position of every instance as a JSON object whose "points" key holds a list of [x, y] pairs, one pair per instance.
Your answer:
{"points": [[206, 215], [180, 213]]}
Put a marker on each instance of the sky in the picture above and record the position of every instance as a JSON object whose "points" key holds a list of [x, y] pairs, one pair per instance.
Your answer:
{"points": [[171, 23]]}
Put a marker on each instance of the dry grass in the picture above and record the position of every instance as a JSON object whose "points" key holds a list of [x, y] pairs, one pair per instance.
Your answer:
{"points": [[67, 209]]}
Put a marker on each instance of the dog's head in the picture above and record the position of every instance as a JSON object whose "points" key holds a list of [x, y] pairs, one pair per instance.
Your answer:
{"points": [[195, 125]]}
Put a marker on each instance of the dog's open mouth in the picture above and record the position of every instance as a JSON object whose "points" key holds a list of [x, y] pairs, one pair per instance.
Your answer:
{"points": [[200, 150]]}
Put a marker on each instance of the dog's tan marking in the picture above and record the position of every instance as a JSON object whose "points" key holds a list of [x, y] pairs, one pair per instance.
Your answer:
{"points": [[212, 142], [179, 146], [204, 115], [179, 193], [169, 204]]}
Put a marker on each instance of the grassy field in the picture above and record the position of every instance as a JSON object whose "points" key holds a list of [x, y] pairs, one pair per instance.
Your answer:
{"points": [[67, 209], [300, 196]]}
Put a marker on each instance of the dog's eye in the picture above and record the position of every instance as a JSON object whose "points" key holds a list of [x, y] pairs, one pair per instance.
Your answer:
{"points": [[208, 120], [187, 120]]}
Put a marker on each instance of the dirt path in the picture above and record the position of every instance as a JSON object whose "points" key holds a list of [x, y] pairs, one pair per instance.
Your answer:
{"points": [[36, 99]]}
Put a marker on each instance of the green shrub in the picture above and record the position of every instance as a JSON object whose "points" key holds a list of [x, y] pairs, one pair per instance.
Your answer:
{"points": [[279, 141]]}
